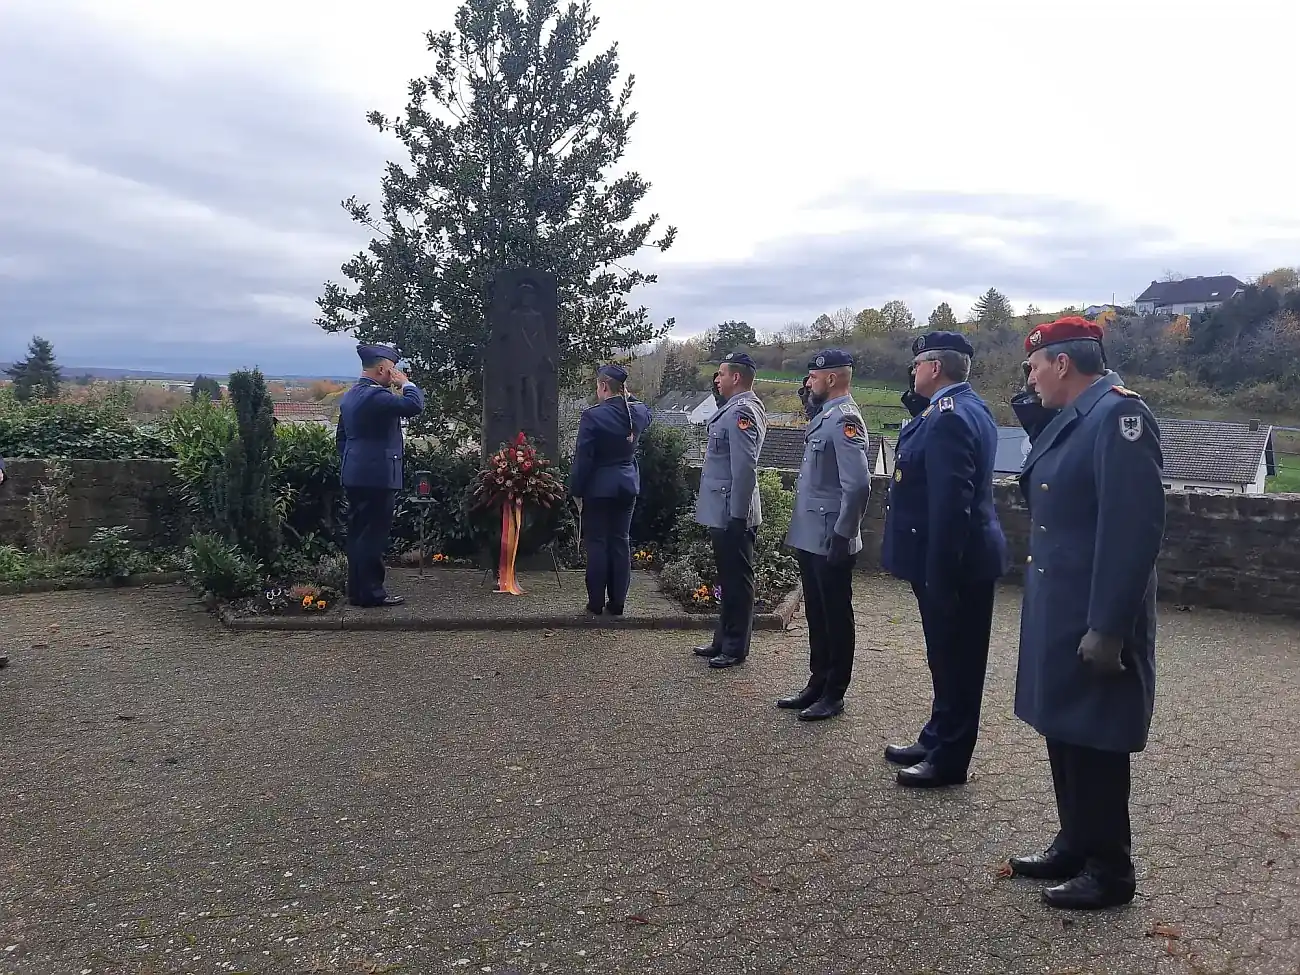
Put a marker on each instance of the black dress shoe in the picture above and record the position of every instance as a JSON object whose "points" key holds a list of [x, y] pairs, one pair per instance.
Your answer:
{"points": [[905, 755], [614, 610], [927, 775], [798, 702], [725, 660], [708, 650], [386, 601], [1087, 892], [1051, 865], [593, 610], [822, 709]]}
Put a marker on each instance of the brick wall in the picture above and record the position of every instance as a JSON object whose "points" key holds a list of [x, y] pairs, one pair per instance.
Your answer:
{"points": [[140, 494], [1223, 551]]}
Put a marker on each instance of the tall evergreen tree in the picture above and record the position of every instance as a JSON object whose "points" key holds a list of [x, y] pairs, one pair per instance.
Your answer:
{"points": [[251, 520], [38, 376], [513, 142], [942, 319]]}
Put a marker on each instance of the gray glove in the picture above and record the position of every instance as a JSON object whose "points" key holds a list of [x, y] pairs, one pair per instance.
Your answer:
{"points": [[1101, 653]]}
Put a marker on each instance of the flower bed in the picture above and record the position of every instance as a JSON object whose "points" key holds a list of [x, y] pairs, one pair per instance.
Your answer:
{"points": [[687, 570]]}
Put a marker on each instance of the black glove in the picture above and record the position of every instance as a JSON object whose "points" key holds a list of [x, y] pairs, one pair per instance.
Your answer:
{"points": [[736, 527], [914, 402], [839, 553], [1102, 653]]}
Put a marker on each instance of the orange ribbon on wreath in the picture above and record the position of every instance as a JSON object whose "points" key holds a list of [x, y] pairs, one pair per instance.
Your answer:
{"points": [[511, 517]]}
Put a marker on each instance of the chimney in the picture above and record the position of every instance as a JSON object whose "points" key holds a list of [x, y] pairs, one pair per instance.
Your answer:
{"points": [[1254, 426]]}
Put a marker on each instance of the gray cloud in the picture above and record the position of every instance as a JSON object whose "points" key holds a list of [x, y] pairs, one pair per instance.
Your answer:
{"points": [[186, 220]]}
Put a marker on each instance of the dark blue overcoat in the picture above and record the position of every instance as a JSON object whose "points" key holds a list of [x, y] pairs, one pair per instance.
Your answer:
{"points": [[1097, 515]]}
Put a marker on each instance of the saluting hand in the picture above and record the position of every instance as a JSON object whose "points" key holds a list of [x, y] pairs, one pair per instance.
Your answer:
{"points": [[397, 377], [1102, 653]]}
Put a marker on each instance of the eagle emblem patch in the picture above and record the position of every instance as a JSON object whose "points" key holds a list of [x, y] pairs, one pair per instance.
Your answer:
{"points": [[850, 430], [1130, 427], [744, 422]]}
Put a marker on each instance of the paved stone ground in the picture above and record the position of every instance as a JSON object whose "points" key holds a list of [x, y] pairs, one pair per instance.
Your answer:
{"points": [[184, 798]]}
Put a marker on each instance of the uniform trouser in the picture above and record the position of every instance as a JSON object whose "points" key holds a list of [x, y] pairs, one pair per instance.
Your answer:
{"points": [[734, 557], [957, 650], [606, 526], [370, 522], [828, 608], [1092, 796]]}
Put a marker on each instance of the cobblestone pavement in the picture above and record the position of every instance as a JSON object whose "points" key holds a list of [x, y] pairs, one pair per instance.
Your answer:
{"points": [[183, 798]]}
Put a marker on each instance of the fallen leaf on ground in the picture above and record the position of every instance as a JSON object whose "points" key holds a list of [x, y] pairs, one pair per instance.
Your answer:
{"points": [[637, 919], [1004, 870], [1161, 929]]}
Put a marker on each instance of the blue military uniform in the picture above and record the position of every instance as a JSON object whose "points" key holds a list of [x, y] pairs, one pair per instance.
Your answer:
{"points": [[728, 505], [369, 438], [826, 533], [942, 535], [606, 476], [1093, 486]]}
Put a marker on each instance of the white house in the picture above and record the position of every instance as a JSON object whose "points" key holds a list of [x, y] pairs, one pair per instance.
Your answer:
{"points": [[694, 406], [1188, 296], [1210, 455]]}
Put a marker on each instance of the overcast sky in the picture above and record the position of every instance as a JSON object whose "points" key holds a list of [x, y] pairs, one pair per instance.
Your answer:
{"points": [[170, 172]]}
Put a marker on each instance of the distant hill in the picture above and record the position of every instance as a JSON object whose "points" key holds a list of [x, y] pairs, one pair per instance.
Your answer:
{"points": [[95, 372]]}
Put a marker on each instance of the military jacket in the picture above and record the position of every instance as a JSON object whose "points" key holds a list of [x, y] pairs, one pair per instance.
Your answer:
{"points": [[729, 479], [1096, 499], [369, 433], [834, 479], [941, 526]]}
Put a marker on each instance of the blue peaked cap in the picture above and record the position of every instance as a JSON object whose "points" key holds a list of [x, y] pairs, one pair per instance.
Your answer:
{"points": [[613, 371], [942, 341], [830, 359], [377, 352]]}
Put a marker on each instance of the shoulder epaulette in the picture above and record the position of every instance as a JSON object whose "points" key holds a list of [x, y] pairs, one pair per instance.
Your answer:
{"points": [[945, 404], [1124, 391]]}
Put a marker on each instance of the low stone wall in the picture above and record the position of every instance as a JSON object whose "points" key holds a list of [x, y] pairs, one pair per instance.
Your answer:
{"points": [[1223, 551], [1234, 552], [141, 494]]}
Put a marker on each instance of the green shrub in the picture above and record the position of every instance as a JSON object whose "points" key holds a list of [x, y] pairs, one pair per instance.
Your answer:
{"points": [[110, 554], [447, 526], [215, 566], [665, 493], [306, 473], [47, 510], [86, 431], [251, 517], [14, 564]]}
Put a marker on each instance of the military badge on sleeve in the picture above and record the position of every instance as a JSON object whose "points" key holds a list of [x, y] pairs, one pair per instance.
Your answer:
{"points": [[744, 422], [850, 430], [1130, 427]]}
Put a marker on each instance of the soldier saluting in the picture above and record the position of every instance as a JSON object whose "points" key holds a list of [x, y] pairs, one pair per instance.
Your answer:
{"points": [[1086, 674], [826, 531], [729, 507], [943, 536]]}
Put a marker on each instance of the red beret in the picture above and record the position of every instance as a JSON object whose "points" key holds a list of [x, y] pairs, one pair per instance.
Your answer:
{"points": [[1062, 330]]}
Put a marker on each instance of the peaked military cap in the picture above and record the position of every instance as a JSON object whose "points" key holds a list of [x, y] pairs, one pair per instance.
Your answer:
{"points": [[1069, 329], [377, 352], [613, 371], [830, 359], [739, 359], [942, 342]]}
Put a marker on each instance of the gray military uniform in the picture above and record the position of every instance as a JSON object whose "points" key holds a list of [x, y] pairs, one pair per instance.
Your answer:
{"points": [[834, 480], [729, 480]]}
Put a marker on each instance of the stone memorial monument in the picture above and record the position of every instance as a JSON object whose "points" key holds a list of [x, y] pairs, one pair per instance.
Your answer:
{"points": [[521, 364]]}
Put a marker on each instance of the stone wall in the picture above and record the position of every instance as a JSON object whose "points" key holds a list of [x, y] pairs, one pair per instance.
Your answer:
{"points": [[141, 494], [1222, 551]]}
